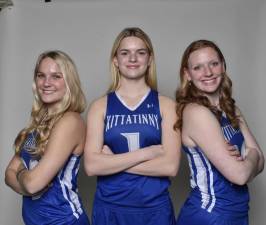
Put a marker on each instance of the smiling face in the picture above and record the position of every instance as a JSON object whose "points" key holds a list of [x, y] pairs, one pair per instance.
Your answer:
{"points": [[205, 70], [132, 58], [50, 83]]}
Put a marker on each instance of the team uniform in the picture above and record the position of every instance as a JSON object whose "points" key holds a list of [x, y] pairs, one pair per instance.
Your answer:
{"points": [[60, 204], [214, 200], [124, 198]]}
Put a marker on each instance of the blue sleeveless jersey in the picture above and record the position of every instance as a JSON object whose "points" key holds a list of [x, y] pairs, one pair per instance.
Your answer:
{"points": [[127, 130], [60, 204], [211, 191]]}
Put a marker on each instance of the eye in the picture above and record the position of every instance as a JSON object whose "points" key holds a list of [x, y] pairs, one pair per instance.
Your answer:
{"points": [[143, 52], [197, 67], [123, 53], [215, 63], [40, 76], [57, 76]]}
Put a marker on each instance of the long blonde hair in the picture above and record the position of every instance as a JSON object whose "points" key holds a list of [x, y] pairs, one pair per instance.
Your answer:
{"points": [[74, 100], [151, 79], [188, 93]]}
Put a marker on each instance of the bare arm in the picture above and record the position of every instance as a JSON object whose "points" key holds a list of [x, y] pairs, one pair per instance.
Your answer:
{"points": [[66, 137], [166, 164], [251, 143], [11, 175], [201, 128], [98, 163]]}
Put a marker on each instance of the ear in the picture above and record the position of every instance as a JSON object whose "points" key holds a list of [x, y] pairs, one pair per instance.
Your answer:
{"points": [[223, 67], [115, 61], [150, 60], [187, 74]]}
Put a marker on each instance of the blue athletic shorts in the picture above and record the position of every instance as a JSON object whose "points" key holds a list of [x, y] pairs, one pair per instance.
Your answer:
{"points": [[107, 214], [83, 220], [192, 215]]}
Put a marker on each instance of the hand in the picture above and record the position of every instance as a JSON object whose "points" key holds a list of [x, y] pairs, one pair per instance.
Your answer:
{"points": [[249, 150], [233, 151], [106, 150], [21, 169], [21, 166]]}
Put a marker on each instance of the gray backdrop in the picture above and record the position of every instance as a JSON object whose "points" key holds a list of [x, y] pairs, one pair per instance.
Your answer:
{"points": [[86, 31]]}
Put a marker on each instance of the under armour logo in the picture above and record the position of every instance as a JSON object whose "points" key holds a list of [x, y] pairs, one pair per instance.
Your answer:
{"points": [[149, 106]]}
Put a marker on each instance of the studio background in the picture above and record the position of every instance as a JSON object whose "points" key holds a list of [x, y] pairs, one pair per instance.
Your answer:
{"points": [[86, 29]]}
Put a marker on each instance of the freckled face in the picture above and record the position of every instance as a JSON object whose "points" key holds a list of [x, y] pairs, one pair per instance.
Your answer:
{"points": [[132, 58], [205, 70], [50, 82]]}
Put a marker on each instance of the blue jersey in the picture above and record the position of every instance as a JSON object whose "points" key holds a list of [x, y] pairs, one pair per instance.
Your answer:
{"points": [[211, 191], [128, 129], [60, 204]]}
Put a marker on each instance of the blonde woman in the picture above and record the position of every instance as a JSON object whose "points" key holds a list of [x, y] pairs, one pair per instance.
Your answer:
{"points": [[131, 144], [45, 166]]}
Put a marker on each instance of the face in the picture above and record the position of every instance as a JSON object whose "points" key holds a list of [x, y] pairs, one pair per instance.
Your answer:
{"points": [[205, 70], [50, 82], [133, 58]]}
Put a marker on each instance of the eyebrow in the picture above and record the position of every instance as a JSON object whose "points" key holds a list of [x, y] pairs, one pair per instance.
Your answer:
{"points": [[203, 63], [140, 49], [53, 73]]}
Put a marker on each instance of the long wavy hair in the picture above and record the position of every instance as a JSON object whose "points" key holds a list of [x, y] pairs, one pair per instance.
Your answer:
{"points": [[41, 123], [188, 93], [151, 73]]}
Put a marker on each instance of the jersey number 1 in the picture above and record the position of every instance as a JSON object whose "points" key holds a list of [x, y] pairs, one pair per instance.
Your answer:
{"points": [[132, 140]]}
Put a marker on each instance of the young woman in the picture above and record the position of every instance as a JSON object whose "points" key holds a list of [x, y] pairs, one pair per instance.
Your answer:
{"points": [[209, 120], [131, 144], [45, 166]]}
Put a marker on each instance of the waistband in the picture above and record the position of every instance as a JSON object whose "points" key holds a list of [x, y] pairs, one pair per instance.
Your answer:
{"points": [[100, 203]]}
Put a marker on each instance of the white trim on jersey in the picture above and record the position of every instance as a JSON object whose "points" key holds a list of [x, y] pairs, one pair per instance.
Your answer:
{"points": [[137, 105], [192, 175], [228, 132], [66, 186], [202, 178], [211, 184]]}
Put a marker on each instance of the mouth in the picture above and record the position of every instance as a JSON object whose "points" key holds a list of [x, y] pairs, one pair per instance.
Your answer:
{"points": [[47, 92], [132, 66], [210, 81]]}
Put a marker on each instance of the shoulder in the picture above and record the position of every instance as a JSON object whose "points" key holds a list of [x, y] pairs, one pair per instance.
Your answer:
{"points": [[199, 123], [70, 129], [167, 106], [97, 108], [69, 121], [194, 112], [166, 101], [196, 108], [99, 104]]}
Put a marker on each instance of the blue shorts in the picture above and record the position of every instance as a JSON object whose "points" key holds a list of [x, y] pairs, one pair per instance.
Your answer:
{"points": [[107, 214], [192, 215], [82, 220]]}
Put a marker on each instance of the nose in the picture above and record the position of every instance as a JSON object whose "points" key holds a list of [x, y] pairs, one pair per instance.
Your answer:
{"points": [[132, 57], [47, 81], [208, 70]]}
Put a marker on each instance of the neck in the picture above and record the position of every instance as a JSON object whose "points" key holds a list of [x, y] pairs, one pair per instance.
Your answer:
{"points": [[51, 109], [133, 88], [215, 101]]}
